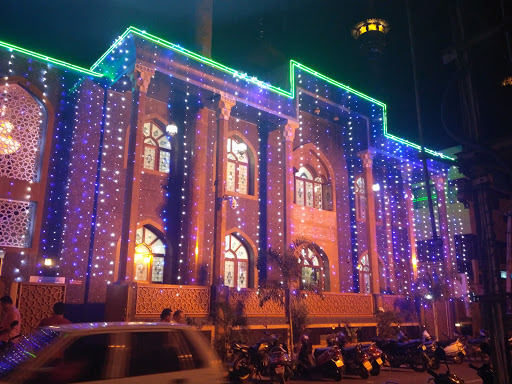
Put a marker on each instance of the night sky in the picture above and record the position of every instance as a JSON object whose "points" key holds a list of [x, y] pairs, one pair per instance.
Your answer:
{"points": [[261, 36]]}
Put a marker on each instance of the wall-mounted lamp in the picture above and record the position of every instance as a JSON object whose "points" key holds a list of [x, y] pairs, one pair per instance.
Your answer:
{"points": [[47, 262], [171, 129]]}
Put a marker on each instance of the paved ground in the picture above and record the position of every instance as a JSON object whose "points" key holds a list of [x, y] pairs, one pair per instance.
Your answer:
{"points": [[406, 376]]}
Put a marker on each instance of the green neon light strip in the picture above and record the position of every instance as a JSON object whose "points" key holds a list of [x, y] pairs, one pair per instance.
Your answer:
{"points": [[60, 63], [423, 198], [291, 94]]}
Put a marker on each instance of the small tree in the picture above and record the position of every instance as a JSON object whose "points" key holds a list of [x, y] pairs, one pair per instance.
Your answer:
{"points": [[385, 319], [285, 274], [233, 324]]}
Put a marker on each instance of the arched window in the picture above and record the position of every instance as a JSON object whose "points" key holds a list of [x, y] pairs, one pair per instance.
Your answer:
{"points": [[149, 256], [364, 274], [312, 271], [361, 201], [238, 167], [311, 191], [157, 148], [236, 263], [360, 194]]}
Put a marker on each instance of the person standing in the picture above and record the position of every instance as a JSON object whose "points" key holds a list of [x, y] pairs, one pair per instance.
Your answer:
{"points": [[10, 314], [179, 317], [57, 318], [165, 316]]}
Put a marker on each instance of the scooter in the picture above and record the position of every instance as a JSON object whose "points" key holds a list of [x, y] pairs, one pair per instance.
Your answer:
{"points": [[485, 371], [454, 349], [327, 361]]}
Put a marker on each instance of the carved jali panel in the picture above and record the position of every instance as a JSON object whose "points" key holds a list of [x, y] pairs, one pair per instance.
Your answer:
{"points": [[21, 128], [251, 302], [151, 299], [35, 302], [15, 220], [339, 304]]}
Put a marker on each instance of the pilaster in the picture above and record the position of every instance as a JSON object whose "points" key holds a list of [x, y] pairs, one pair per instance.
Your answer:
{"points": [[223, 113], [141, 78], [371, 226], [288, 130]]}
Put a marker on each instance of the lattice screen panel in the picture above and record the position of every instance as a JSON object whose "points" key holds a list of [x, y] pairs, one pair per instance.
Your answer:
{"points": [[19, 110], [15, 223]]}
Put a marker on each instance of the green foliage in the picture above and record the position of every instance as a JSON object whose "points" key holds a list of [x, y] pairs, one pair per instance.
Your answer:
{"points": [[300, 313], [384, 320], [233, 326]]}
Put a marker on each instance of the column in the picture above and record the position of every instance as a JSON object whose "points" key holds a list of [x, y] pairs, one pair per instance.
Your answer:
{"points": [[223, 112], [448, 246], [141, 78], [371, 227], [288, 130], [406, 172]]}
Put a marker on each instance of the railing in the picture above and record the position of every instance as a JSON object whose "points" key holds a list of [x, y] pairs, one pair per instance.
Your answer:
{"points": [[152, 298]]}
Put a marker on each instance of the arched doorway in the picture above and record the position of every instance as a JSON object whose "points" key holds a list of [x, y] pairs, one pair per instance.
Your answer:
{"points": [[365, 275]]}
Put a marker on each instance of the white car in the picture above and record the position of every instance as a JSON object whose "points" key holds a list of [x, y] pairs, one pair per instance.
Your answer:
{"points": [[112, 353]]}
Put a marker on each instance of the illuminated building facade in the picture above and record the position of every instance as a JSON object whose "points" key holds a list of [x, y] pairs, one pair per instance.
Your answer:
{"points": [[160, 167]]}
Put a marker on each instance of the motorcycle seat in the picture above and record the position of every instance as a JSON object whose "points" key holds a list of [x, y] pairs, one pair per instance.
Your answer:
{"points": [[349, 349], [319, 351]]}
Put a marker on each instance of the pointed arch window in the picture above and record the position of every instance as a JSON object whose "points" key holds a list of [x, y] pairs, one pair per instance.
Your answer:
{"points": [[360, 198], [364, 274], [312, 271], [238, 170], [149, 258], [157, 148], [236, 263], [311, 191]]}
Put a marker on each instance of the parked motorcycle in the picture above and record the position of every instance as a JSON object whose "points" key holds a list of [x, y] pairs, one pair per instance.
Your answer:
{"points": [[485, 371], [411, 353], [266, 358], [357, 361], [376, 357], [327, 361], [443, 378]]}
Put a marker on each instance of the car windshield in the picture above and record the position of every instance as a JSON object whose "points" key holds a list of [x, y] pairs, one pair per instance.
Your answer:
{"points": [[25, 349]]}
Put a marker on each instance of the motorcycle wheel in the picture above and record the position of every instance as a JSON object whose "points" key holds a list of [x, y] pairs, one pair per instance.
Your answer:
{"points": [[364, 372], [420, 363], [459, 359], [435, 364], [336, 374], [375, 369], [242, 368]]}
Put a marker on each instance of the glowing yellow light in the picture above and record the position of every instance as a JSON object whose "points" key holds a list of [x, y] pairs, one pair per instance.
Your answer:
{"points": [[7, 144], [372, 27], [48, 262]]}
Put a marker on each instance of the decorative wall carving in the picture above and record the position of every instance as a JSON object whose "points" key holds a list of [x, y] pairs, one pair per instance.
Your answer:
{"points": [[35, 302], [151, 299], [251, 302], [339, 304], [22, 111], [15, 219], [388, 302]]}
